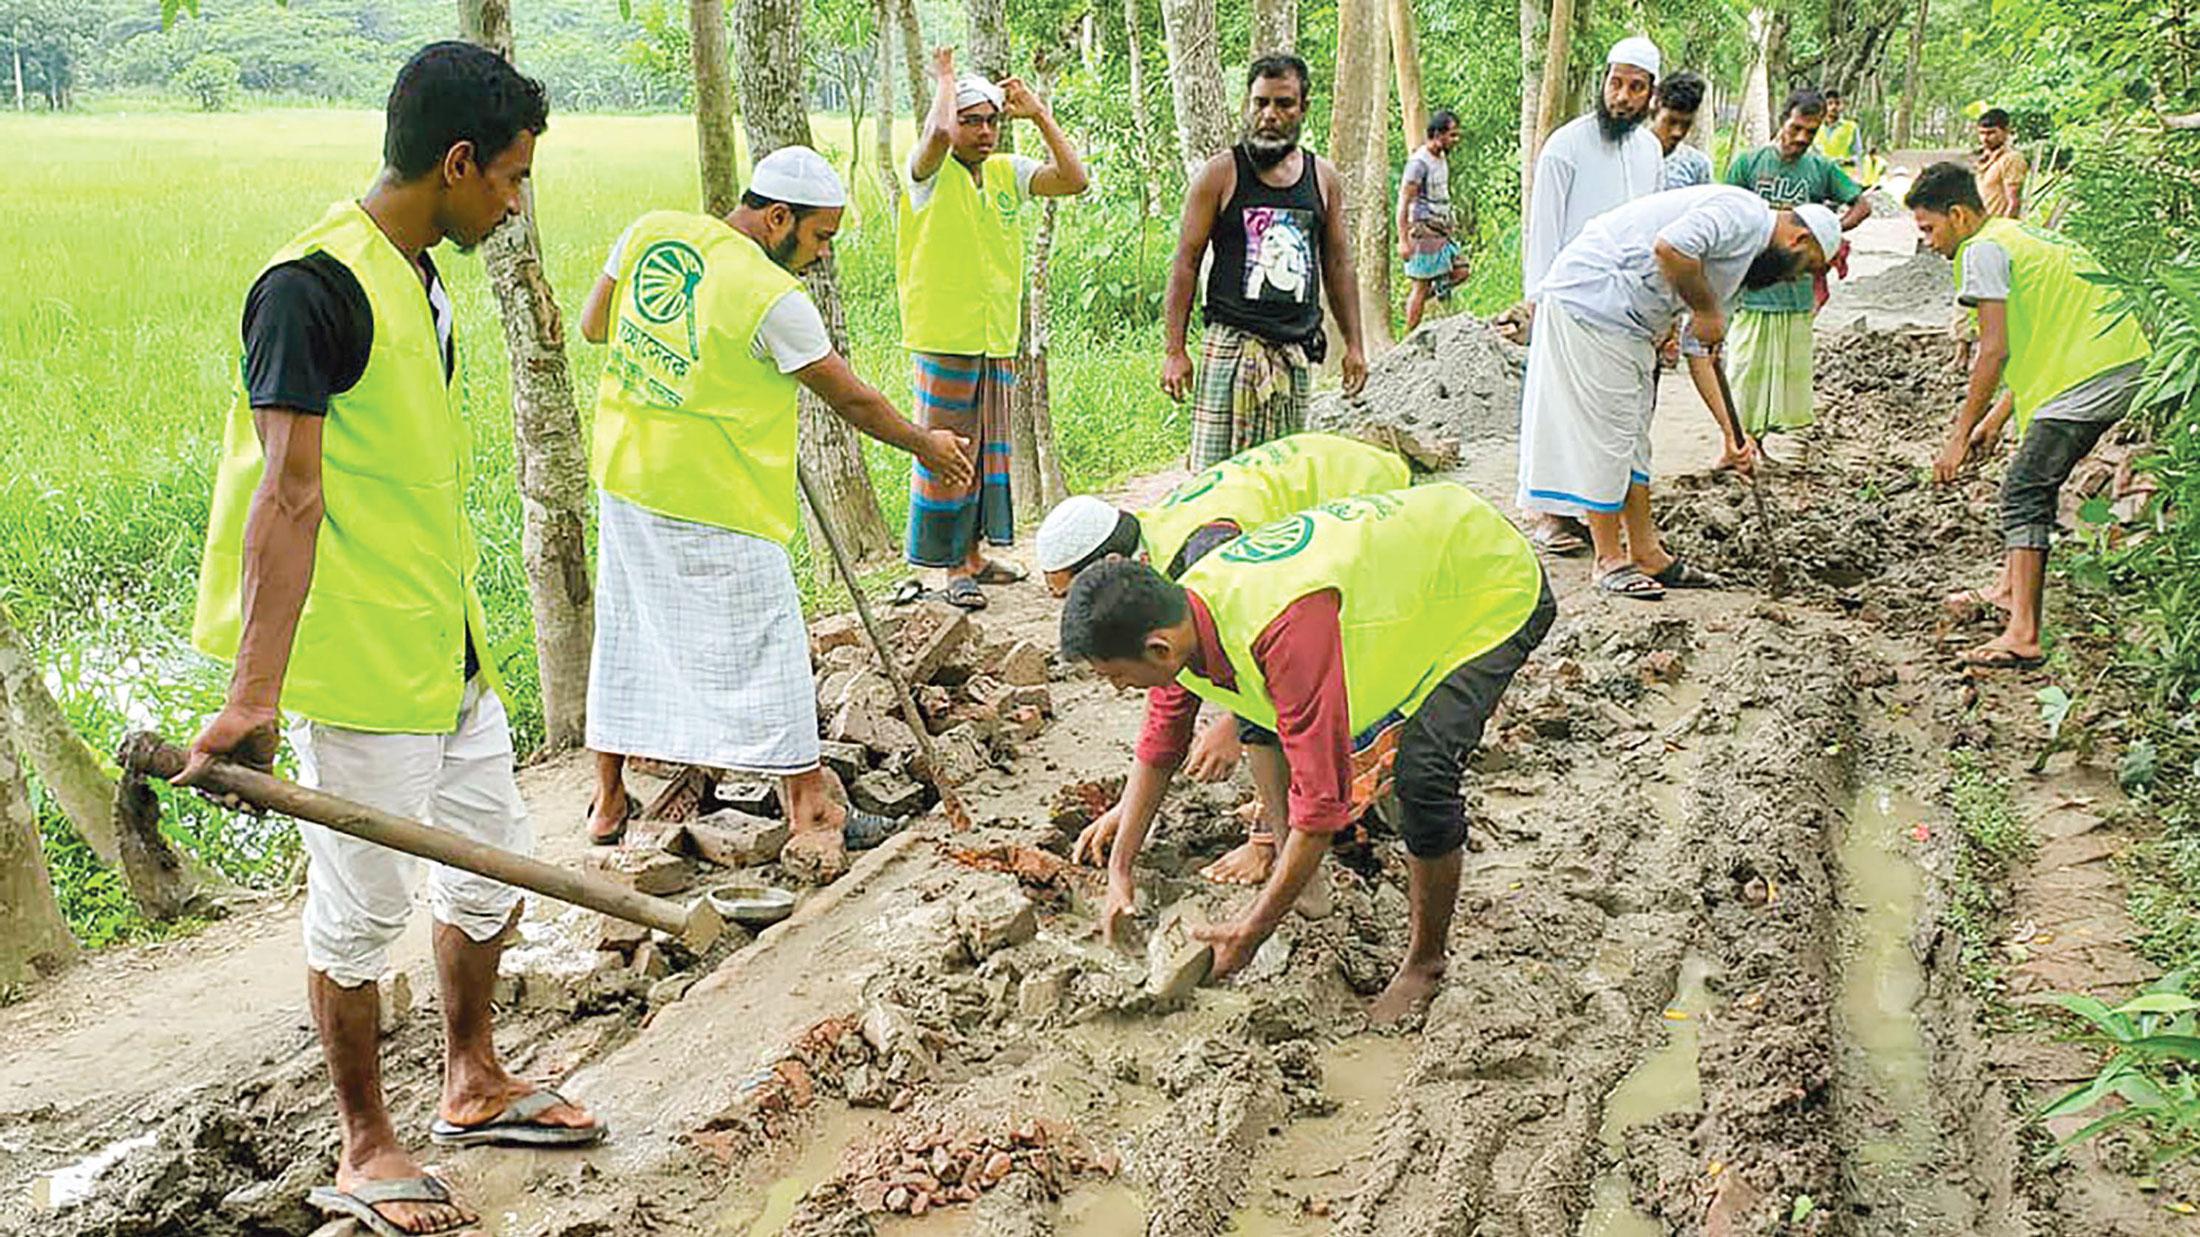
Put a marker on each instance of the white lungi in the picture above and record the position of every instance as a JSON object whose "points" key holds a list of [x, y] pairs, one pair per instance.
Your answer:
{"points": [[1584, 414], [358, 894], [701, 654]]}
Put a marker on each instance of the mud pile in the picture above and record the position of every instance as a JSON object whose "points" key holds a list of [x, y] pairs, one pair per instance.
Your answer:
{"points": [[1919, 292], [1448, 391]]}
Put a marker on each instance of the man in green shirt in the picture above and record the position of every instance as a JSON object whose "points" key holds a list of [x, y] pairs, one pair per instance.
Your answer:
{"points": [[1770, 335]]}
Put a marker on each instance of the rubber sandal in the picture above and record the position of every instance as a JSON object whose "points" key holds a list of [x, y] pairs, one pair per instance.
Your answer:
{"points": [[1681, 574], [516, 1127], [1630, 582], [1986, 657], [359, 1204], [617, 835], [963, 593], [1558, 541], [907, 593], [866, 830], [998, 572]]}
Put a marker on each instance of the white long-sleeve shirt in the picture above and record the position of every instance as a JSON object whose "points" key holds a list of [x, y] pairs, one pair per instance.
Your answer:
{"points": [[1579, 176]]}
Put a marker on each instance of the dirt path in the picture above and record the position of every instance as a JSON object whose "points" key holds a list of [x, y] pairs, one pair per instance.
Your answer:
{"points": [[1699, 980]]}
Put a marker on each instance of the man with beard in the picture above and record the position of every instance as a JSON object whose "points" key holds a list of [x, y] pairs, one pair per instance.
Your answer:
{"points": [[1273, 214], [2001, 167], [959, 270], [1773, 356], [701, 655], [339, 577], [1592, 164], [1607, 300]]}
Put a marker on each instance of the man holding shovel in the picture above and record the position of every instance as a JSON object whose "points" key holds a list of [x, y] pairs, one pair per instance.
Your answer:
{"points": [[339, 576], [701, 655], [1408, 611]]}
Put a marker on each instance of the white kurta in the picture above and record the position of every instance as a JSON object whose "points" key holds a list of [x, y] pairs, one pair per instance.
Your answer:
{"points": [[1578, 176]]}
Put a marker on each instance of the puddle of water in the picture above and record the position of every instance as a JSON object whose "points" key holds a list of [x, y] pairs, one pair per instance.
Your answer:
{"points": [[764, 1213], [1107, 1209], [1665, 1081]]}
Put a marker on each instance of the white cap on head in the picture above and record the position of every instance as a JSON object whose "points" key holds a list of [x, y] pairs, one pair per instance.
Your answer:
{"points": [[798, 176], [1637, 51], [1824, 228], [971, 90], [1076, 527]]}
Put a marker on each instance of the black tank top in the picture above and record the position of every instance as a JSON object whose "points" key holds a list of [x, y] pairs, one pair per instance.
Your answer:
{"points": [[1267, 273]]}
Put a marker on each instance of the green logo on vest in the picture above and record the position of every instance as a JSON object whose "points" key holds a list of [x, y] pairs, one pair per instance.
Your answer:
{"points": [[1193, 488], [1005, 202], [1363, 507], [1270, 542], [664, 286]]}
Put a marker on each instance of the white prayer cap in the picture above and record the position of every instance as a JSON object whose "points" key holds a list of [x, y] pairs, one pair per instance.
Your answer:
{"points": [[798, 176], [1075, 528], [1824, 228], [971, 90], [1636, 51]]}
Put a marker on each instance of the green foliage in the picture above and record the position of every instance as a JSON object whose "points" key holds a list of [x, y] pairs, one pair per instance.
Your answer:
{"points": [[2153, 1068], [1990, 840], [211, 79]]}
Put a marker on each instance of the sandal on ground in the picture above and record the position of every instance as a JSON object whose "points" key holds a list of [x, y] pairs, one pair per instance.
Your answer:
{"points": [[866, 830], [517, 1126], [1629, 581], [997, 572], [360, 1202], [1558, 540], [962, 592], [1681, 574], [618, 834], [1993, 657], [907, 593]]}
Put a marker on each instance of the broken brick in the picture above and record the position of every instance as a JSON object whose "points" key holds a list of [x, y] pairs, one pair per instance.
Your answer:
{"points": [[731, 839], [835, 632], [961, 753], [930, 637], [1078, 804], [847, 760], [1033, 697], [755, 796], [994, 919], [887, 793], [1025, 665], [618, 935], [989, 691], [654, 872], [1023, 723]]}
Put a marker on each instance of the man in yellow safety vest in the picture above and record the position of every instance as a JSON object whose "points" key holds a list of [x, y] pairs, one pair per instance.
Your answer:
{"points": [[2072, 363], [1409, 610]]}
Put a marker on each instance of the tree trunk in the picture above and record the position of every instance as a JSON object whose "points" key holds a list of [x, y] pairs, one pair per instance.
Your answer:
{"points": [[1035, 471], [553, 463], [1275, 26], [1908, 115], [1203, 127], [1358, 141], [68, 767], [34, 939], [1535, 16], [1553, 99], [882, 130], [19, 106], [714, 148], [1405, 50], [1141, 113], [989, 51], [774, 110], [1088, 42], [913, 60], [1754, 127]]}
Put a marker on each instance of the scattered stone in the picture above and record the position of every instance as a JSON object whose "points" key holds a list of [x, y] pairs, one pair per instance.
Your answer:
{"points": [[932, 635], [755, 796], [669, 989], [1023, 723], [836, 632], [1659, 666], [616, 935], [994, 919], [730, 839], [1078, 804], [1039, 996], [1181, 972], [887, 793], [656, 872], [1025, 665], [962, 754], [989, 691], [847, 760], [650, 961], [1035, 696]]}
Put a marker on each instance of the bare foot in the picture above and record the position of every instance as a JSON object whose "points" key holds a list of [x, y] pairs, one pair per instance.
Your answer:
{"points": [[392, 1164], [1409, 992], [817, 855], [1972, 603], [1248, 864]]}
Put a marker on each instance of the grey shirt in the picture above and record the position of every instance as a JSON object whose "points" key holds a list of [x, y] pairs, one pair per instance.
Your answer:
{"points": [[1433, 175]]}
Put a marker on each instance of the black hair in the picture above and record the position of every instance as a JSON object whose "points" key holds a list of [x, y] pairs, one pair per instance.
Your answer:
{"points": [[1113, 606], [1441, 119], [757, 201], [1803, 101], [1831, 95], [1122, 541], [1944, 186], [1281, 64], [455, 92], [1993, 118], [1683, 92]]}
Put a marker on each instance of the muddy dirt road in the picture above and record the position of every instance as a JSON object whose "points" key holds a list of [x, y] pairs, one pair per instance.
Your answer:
{"points": [[1698, 982]]}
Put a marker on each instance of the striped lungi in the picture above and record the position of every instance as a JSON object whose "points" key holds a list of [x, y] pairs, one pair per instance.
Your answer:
{"points": [[701, 655], [968, 395]]}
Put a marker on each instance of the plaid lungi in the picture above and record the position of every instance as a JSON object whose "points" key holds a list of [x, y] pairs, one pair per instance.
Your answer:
{"points": [[1250, 391], [969, 395]]}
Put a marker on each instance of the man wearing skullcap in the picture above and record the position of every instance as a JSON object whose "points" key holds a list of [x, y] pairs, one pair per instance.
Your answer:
{"points": [[959, 268], [701, 655]]}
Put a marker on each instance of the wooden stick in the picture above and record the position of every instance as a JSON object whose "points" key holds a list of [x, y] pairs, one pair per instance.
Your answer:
{"points": [[950, 803], [1756, 492], [145, 753]]}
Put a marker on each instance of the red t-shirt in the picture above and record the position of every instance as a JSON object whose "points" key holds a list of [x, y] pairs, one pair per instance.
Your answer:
{"points": [[1301, 657]]}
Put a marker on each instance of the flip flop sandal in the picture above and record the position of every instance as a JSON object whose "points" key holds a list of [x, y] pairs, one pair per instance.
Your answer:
{"points": [[907, 593], [866, 830], [359, 1204], [516, 1127], [617, 835], [963, 593], [1630, 582], [998, 572], [1557, 541], [2000, 659], [1681, 574]]}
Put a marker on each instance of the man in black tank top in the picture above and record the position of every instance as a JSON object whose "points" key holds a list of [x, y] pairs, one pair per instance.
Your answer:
{"points": [[1272, 213]]}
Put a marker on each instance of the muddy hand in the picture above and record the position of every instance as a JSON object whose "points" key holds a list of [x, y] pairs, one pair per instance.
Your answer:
{"points": [[1950, 461], [1121, 904], [1097, 838], [243, 734], [1235, 943], [1354, 370]]}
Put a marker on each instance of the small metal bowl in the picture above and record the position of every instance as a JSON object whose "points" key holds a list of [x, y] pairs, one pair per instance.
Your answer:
{"points": [[753, 906]]}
